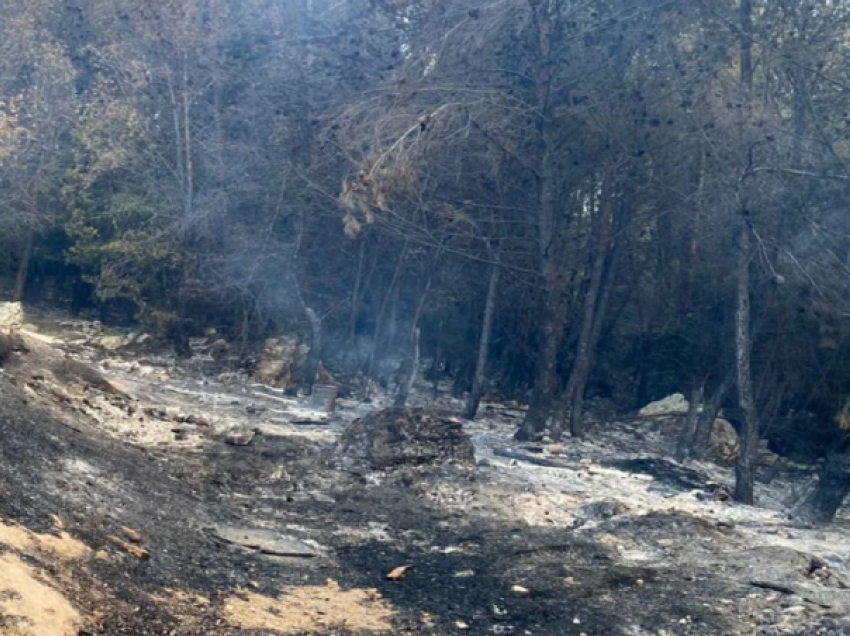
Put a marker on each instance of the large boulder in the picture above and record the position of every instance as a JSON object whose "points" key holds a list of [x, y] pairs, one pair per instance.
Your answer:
{"points": [[281, 362], [675, 404], [405, 438]]}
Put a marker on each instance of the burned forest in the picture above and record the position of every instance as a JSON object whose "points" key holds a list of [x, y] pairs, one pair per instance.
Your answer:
{"points": [[370, 317]]}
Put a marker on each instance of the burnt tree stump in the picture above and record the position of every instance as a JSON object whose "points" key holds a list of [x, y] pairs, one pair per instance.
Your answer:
{"points": [[824, 500]]}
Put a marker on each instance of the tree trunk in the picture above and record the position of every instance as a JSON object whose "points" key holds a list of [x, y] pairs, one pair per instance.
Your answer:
{"points": [[474, 398], [355, 295], [700, 442], [552, 305], [411, 365], [748, 454], [407, 380], [376, 334], [593, 313], [23, 269], [824, 500], [689, 426], [311, 365], [187, 138], [435, 363]]}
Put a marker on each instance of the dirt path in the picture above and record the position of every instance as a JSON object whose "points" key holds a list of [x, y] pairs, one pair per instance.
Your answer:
{"points": [[183, 533]]}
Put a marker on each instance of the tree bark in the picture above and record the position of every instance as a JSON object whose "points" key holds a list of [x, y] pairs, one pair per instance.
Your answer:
{"points": [[748, 454], [23, 269], [311, 365], [699, 444], [407, 380], [552, 305], [746, 464], [355, 295], [376, 334], [474, 398], [187, 138], [411, 365], [689, 427], [593, 310], [824, 500]]}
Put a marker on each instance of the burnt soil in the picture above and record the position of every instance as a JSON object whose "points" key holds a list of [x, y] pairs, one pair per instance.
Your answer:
{"points": [[173, 500], [465, 564]]}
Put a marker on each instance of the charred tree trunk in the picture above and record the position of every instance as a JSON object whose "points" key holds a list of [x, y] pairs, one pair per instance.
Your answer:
{"points": [[689, 427], [478, 378], [748, 454], [552, 305], [355, 295], [824, 500], [411, 365], [602, 270], [409, 377], [379, 320], [23, 269], [435, 363], [187, 138], [701, 441], [311, 365]]}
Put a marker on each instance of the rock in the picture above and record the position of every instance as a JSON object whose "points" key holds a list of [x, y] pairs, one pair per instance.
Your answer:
{"points": [[766, 457], [11, 317], [724, 442], [219, 349], [174, 414], [398, 438], [599, 511], [398, 573], [265, 541], [196, 420], [110, 343], [281, 362], [240, 436], [675, 404]]}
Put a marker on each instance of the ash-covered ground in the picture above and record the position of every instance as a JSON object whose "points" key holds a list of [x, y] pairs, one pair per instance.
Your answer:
{"points": [[164, 498]]}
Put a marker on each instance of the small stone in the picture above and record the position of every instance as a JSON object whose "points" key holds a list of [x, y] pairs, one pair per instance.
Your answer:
{"points": [[132, 535], [519, 590], [462, 625], [556, 449], [240, 437], [464, 574]]}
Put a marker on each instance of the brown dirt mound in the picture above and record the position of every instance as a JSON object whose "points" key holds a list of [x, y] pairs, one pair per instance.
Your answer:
{"points": [[310, 610]]}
